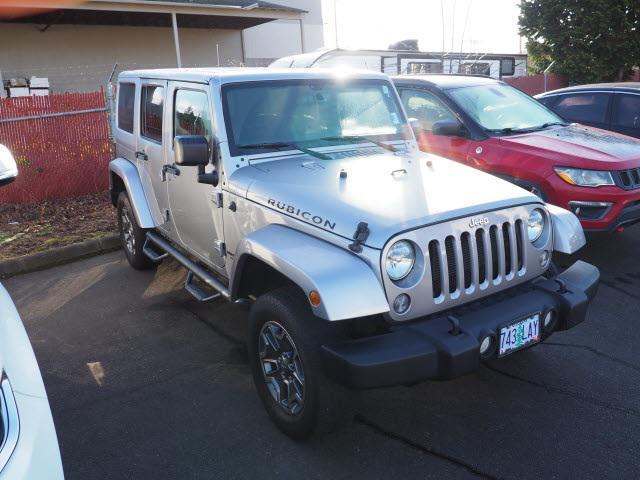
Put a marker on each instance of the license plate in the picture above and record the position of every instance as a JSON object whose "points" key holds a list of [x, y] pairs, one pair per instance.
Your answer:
{"points": [[520, 334]]}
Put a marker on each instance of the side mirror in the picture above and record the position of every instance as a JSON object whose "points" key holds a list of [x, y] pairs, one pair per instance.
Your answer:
{"points": [[449, 128], [8, 166], [191, 150]]}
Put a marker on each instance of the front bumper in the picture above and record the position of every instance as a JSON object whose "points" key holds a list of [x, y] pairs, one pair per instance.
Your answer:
{"points": [[427, 349], [624, 209], [28, 443], [625, 217], [36, 454]]}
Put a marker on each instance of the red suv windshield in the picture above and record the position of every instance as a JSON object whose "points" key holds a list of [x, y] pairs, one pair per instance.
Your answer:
{"points": [[500, 107]]}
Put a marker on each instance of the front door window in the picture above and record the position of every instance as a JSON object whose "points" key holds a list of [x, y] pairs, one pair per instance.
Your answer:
{"points": [[425, 107], [428, 109], [626, 114], [587, 108], [191, 114]]}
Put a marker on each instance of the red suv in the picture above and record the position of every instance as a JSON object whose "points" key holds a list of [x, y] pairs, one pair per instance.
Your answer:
{"points": [[497, 128]]}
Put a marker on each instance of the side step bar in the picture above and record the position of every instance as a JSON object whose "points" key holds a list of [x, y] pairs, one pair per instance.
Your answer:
{"points": [[194, 269], [196, 291], [152, 254]]}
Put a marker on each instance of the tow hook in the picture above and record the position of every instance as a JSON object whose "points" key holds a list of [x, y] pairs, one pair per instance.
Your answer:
{"points": [[455, 325], [563, 286]]}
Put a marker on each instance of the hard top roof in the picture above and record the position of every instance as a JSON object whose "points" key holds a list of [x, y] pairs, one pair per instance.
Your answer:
{"points": [[622, 86], [228, 75], [446, 81]]}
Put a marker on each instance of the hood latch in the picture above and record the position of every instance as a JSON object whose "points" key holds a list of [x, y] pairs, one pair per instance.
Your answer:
{"points": [[361, 235]]}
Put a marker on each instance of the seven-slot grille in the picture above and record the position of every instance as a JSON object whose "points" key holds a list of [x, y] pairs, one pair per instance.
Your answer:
{"points": [[628, 179], [461, 264]]}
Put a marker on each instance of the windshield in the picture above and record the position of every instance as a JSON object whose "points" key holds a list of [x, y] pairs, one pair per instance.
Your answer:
{"points": [[499, 107], [285, 115]]}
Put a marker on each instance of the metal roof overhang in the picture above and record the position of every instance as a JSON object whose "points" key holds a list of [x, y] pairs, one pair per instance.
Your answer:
{"points": [[156, 14]]}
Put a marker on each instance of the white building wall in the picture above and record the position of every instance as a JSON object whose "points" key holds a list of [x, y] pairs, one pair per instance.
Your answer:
{"points": [[269, 41], [81, 57]]}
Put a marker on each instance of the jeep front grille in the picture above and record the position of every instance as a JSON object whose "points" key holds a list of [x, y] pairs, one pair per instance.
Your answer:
{"points": [[463, 260], [466, 261], [627, 179]]}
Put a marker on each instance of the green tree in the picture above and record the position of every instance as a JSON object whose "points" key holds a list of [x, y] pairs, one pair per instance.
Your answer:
{"points": [[589, 40], [409, 44]]}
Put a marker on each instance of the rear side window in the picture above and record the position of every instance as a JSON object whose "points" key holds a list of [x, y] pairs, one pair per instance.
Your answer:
{"points": [[626, 111], [126, 95], [583, 107], [191, 114], [152, 101]]}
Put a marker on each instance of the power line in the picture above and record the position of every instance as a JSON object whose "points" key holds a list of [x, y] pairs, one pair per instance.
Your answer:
{"points": [[464, 29]]}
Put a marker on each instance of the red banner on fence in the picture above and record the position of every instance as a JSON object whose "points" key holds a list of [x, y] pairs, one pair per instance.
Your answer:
{"points": [[60, 142]]}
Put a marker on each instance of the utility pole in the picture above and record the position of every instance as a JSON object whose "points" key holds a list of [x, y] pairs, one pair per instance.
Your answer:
{"points": [[176, 39]]}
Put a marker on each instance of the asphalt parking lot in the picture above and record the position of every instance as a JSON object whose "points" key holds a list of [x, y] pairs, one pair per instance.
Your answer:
{"points": [[145, 383]]}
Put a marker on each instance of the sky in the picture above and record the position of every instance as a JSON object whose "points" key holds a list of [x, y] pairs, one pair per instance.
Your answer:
{"points": [[487, 26]]}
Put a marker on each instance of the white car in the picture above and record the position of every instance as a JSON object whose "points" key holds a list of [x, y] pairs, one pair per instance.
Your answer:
{"points": [[8, 167], [28, 443]]}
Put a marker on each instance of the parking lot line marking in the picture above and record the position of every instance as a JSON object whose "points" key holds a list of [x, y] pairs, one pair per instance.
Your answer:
{"points": [[97, 371]]}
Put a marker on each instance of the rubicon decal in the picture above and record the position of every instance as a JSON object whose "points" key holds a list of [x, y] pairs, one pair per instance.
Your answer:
{"points": [[306, 216]]}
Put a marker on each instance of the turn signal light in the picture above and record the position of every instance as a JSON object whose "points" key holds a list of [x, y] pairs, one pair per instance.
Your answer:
{"points": [[314, 298], [566, 178]]}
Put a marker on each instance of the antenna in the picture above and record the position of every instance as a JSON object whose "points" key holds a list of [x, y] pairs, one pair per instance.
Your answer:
{"points": [[442, 15], [464, 29], [335, 19]]}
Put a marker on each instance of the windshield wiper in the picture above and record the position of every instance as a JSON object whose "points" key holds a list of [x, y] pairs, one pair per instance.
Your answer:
{"points": [[510, 130], [551, 124], [526, 129], [360, 139], [280, 145]]}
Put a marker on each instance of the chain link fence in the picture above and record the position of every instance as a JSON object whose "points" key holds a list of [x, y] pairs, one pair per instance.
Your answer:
{"points": [[61, 143]]}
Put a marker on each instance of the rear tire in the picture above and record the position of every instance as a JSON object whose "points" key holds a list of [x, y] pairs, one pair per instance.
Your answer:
{"points": [[284, 351], [132, 237]]}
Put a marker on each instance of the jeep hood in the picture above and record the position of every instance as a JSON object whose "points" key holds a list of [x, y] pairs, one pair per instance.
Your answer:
{"points": [[391, 192], [582, 143]]}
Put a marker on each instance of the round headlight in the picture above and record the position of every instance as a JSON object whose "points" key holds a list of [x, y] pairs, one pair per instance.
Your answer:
{"points": [[400, 259], [535, 225]]}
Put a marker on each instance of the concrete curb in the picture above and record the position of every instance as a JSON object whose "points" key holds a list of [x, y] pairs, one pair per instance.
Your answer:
{"points": [[59, 256]]}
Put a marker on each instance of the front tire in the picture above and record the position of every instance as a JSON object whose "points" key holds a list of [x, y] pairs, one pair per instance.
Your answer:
{"points": [[284, 351], [132, 237]]}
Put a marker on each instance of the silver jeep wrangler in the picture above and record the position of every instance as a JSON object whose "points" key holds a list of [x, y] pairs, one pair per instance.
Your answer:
{"points": [[302, 195]]}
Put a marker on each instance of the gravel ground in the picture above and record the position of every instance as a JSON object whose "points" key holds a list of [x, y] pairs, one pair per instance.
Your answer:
{"points": [[26, 229]]}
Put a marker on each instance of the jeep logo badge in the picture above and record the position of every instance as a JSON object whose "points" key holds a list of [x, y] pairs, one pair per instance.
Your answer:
{"points": [[478, 222]]}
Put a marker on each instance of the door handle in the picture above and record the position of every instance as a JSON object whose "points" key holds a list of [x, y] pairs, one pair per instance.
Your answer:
{"points": [[172, 169], [142, 156]]}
